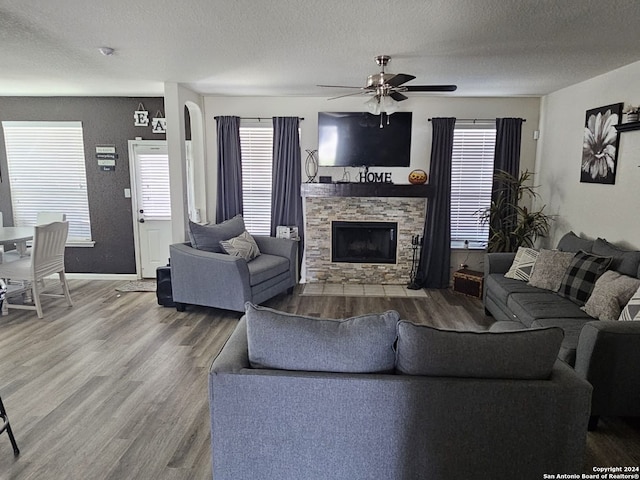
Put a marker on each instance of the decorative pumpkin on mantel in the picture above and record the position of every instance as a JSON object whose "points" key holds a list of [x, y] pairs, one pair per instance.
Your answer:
{"points": [[418, 177]]}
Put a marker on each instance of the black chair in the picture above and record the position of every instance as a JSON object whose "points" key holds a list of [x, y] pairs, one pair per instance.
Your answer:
{"points": [[6, 427]]}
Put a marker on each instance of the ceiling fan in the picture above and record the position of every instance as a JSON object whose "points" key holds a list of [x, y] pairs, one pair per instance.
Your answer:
{"points": [[387, 88]]}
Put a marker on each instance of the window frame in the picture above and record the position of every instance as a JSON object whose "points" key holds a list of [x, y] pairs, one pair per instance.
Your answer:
{"points": [[478, 139], [21, 140], [257, 175]]}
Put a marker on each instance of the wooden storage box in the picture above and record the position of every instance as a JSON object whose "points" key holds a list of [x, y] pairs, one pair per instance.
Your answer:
{"points": [[468, 282]]}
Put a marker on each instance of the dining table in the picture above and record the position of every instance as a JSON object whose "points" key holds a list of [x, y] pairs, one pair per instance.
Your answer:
{"points": [[18, 236]]}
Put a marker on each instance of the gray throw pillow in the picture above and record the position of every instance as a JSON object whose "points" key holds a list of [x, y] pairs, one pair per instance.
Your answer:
{"points": [[611, 293], [208, 237], [284, 341], [522, 354], [571, 242], [241, 246], [549, 269], [581, 276], [624, 261]]}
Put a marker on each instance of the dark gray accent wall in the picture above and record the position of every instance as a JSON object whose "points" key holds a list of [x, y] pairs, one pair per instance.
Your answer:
{"points": [[105, 121]]}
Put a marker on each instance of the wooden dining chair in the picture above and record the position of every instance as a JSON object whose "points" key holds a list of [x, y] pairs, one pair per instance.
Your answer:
{"points": [[5, 426], [47, 258]]}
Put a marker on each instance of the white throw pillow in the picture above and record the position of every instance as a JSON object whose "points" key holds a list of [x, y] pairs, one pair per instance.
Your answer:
{"points": [[522, 264], [632, 310]]}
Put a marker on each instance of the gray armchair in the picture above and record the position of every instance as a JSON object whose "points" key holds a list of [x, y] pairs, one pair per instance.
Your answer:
{"points": [[199, 277]]}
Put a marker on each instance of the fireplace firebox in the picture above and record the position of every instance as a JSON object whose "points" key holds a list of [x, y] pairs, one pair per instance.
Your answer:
{"points": [[364, 242]]}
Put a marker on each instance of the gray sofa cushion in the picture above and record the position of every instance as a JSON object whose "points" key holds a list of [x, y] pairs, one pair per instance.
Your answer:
{"points": [[283, 341], [532, 306], [571, 242], [266, 266], [208, 237], [524, 354], [500, 287], [626, 262], [572, 328]]}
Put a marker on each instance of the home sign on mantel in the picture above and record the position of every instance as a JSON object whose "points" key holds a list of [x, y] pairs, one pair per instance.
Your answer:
{"points": [[374, 177]]}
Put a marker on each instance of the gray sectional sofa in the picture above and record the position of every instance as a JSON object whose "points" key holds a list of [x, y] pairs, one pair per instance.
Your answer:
{"points": [[605, 353], [306, 398]]}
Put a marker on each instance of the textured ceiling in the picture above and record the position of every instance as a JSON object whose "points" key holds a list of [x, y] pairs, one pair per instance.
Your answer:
{"points": [[287, 47]]}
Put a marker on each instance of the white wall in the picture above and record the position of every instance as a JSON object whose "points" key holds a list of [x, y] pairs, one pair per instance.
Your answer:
{"points": [[176, 97], [422, 107], [594, 210]]}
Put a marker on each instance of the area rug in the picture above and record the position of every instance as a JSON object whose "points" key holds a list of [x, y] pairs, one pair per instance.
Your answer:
{"points": [[339, 290], [137, 286]]}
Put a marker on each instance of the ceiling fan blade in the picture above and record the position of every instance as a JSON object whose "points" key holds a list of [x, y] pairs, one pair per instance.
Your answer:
{"points": [[397, 96], [348, 95], [431, 88], [337, 86], [398, 79]]}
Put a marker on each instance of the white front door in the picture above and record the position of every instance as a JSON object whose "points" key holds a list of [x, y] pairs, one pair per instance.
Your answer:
{"points": [[151, 202]]}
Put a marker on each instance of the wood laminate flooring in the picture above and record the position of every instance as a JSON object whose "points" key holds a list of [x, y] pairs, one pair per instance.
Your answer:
{"points": [[116, 387]]}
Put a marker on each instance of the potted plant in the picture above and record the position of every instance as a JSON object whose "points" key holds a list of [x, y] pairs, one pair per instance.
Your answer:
{"points": [[512, 225], [632, 113]]}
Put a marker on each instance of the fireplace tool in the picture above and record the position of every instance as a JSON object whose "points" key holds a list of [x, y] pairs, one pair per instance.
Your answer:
{"points": [[415, 260]]}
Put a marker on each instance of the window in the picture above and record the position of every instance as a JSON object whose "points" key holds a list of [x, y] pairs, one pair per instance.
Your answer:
{"points": [[471, 182], [256, 144], [47, 173]]}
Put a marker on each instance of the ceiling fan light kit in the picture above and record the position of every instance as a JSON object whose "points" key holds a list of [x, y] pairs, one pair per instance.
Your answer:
{"points": [[387, 89]]}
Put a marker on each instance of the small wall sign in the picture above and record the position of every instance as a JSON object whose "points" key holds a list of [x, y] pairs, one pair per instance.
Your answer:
{"points": [[159, 123], [140, 116], [374, 177], [106, 156]]}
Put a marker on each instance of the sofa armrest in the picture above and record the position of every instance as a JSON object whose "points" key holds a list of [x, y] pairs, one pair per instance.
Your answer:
{"points": [[281, 247], [498, 262], [234, 355], [197, 276], [608, 355]]}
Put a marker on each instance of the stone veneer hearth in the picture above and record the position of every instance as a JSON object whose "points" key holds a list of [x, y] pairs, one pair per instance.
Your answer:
{"points": [[409, 213]]}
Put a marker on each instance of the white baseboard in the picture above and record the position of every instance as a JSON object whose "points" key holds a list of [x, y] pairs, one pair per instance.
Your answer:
{"points": [[101, 276]]}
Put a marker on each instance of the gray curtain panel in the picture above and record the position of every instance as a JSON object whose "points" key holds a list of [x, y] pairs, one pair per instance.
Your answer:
{"points": [[229, 200], [507, 156], [434, 266], [286, 202]]}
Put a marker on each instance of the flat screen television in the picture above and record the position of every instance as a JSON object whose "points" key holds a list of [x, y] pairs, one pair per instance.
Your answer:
{"points": [[353, 139]]}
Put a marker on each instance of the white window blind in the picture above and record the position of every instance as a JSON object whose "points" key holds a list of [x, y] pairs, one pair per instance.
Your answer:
{"points": [[153, 179], [256, 144], [47, 173], [471, 182]]}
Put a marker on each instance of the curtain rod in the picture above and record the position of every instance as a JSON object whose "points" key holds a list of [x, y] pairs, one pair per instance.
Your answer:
{"points": [[262, 118], [474, 120]]}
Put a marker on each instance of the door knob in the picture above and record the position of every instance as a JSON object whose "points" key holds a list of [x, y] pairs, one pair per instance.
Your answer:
{"points": [[141, 220]]}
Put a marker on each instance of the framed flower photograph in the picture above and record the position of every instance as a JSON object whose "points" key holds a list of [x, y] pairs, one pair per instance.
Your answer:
{"points": [[600, 145]]}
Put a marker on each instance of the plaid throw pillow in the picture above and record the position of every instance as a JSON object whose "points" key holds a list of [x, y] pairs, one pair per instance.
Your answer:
{"points": [[581, 276]]}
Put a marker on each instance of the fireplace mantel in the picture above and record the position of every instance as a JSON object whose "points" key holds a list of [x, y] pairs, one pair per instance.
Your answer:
{"points": [[365, 190]]}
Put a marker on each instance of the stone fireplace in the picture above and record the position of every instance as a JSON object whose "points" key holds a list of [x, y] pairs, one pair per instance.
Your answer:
{"points": [[322, 212]]}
